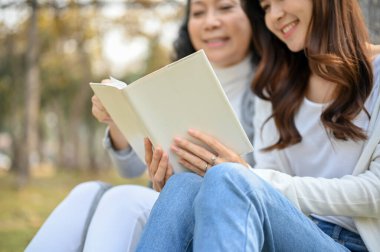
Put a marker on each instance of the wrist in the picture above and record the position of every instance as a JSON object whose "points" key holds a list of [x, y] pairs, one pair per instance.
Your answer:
{"points": [[117, 138]]}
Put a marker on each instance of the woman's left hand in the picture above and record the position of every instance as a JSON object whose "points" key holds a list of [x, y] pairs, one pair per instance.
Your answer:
{"points": [[199, 159], [159, 168]]}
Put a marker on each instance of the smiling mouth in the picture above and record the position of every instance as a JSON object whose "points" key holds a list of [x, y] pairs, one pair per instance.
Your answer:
{"points": [[216, 42], [286, 30]]}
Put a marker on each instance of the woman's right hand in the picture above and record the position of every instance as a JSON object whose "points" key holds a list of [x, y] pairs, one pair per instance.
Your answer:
{"points": [[98, 110], [160, 170], [100, 113]]}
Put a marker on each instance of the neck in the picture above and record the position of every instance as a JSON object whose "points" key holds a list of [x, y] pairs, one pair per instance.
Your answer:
{"points": [[319, 90], [242, 70]]}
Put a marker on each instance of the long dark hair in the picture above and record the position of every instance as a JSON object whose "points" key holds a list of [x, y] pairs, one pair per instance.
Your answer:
{"points": [[335, 50], [183, 46]]}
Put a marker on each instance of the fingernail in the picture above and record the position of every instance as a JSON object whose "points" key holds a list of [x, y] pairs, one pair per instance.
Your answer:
{"points": [[177, 140], [192, 131], [174, 148]]}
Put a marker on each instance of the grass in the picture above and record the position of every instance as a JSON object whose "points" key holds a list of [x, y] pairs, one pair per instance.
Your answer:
{"points": [[22, 211]]}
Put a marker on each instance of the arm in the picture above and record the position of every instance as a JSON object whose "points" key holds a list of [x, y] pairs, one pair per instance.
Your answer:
{"points": [[126, 160], [355, 196], [122, 155], [351, 195]]}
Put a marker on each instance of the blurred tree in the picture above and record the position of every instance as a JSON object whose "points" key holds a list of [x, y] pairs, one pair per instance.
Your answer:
{"points": [[58, 45], [30, 154], [53, 51], [371, 12]]}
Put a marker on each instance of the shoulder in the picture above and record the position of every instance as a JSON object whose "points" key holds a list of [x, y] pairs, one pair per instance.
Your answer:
{"points": [[374, 50], [376, 63], [376, 69]]}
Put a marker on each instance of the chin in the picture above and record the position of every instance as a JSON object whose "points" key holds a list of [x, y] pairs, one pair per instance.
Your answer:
{"points": [[295, 49], [217, 59]]}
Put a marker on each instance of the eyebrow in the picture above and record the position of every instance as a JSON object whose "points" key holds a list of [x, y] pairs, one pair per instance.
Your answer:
{"points": [[197, 2]]}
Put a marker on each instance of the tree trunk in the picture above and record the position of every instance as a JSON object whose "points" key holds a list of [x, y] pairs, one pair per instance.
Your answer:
{"points": [[32, 99]]}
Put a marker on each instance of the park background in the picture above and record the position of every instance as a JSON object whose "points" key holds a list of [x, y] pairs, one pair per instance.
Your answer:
{"points": [[50, 50]]}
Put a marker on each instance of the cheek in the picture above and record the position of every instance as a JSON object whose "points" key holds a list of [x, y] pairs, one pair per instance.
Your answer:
{"points": [[194, 32], [241, 29], [268, 24]]}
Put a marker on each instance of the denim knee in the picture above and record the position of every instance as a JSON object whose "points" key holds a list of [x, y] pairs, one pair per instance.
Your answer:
{"points": [[232, 175], [227, 178], [182, 181]]}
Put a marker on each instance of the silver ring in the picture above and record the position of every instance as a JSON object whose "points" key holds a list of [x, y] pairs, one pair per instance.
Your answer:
{"points": [[206, 167], [213, 159]]}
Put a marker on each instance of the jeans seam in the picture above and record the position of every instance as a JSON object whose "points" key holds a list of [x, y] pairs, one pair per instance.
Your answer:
{"points": [[188, 244], [246, 227]]}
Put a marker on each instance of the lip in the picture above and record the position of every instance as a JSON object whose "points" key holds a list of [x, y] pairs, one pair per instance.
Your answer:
{"points": [[288, 29], [216, 42]]}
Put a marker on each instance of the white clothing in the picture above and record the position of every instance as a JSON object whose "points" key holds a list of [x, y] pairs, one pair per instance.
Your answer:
{"points": [[121, 209], [355, 194], [234, 81], [321, 155], [66, 227], [92, 218]]}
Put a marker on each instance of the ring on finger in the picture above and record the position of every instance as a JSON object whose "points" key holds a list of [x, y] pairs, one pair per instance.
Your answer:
{"points": [[213, 160], [206, 167]]}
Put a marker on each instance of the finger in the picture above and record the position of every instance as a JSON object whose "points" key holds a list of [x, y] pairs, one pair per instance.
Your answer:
{"points": [[105, 81], [98, 111], [97, 103], [157, 154], [189, 157], [169, 172], [159, 177], [195, 149], [101, 116], [192, 167], [156, 187], [148, 151], [217, 146]]}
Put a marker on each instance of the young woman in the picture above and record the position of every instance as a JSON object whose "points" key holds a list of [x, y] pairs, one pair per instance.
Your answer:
{"points": [[97, 217], [317, 146]]}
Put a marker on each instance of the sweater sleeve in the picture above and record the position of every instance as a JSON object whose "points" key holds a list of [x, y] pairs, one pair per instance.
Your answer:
{"points": [[356, 195], [126, 161]]}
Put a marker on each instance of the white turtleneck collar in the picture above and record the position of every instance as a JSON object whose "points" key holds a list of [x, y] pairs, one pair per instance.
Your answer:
{"points": [[235, 80], [243, 69]]}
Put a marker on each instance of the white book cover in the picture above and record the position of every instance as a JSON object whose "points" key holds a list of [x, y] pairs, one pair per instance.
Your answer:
{"points": [[166, 103]]}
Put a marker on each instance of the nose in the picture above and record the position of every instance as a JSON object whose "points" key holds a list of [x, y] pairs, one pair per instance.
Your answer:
{"points": [[276, 11], [212, 20]]}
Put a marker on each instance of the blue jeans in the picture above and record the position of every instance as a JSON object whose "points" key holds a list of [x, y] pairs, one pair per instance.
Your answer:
{"points": [[349, 239], [230, 209]]}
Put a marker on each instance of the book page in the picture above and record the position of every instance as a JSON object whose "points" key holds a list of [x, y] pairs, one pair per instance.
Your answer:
{"points": [[123, 114], [186, 94], [116, 83]]}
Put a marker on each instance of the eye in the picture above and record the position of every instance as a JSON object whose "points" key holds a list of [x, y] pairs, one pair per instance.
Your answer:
{"points": [[266, 8], [226, 7], [197, 13]]}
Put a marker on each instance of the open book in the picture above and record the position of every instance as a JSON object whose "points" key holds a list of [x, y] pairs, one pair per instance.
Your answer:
{"points": [[166, 103]]}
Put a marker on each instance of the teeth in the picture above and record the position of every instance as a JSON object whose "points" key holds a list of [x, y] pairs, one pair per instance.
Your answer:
{"points": [[214, 40], [288, 27]]}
